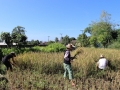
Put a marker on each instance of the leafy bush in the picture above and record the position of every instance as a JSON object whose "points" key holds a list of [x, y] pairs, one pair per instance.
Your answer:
{"points": [[115, 45], [3, 69], [36, 48], [6, 51], [54, 47]]}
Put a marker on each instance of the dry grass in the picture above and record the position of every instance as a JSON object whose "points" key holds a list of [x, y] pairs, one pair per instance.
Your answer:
{"points": [[44, 71]]}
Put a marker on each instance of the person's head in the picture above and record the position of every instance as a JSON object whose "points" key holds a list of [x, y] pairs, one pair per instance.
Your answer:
{"points": [[69, 47], [13, 54], [101, 56]]}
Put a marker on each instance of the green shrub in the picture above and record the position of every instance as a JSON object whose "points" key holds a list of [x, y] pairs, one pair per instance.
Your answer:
{"points": [[3, 69], [54, 47], [36, 48], [115, 45]]}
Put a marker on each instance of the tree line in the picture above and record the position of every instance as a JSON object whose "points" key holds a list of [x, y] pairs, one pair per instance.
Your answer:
{"points": [[102, 33]]}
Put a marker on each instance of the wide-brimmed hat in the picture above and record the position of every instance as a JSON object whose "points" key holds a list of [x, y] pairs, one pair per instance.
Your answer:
{"points": [[13, 53], [101, 56], [69, 46]]}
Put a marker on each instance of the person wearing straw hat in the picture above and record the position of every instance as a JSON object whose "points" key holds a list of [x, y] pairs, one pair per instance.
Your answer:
{"points": [[102, 63], [6, 60], [67, 63]]}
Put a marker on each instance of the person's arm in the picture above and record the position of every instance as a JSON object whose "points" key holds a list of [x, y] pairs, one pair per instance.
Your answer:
{"points": [[97, 64], [13, 60], [106, 62], [72, 58]]}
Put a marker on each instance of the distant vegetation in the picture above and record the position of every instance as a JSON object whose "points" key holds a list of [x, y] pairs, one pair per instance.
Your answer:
{"points": [[103, 33]]}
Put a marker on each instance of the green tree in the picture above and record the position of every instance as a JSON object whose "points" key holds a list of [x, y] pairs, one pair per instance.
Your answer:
{"points": [[40, 42], [101, 30], [88, 30], [56, 39], [72, 38], [83, 40], [36, 42], [0, 38], [5, 36], [66, 40], [18, 35], [32, 42], [93, 41], [116, 35]]}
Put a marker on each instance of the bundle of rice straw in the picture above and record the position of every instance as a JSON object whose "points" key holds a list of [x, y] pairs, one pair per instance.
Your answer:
{"points": [[78, 51]]}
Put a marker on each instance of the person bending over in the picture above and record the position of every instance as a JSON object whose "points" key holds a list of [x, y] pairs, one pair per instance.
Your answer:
{"points": [[102, 63], [6, 60]]}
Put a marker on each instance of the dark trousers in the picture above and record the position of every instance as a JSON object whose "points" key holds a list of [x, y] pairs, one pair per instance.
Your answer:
{"points": [[8, 65]]}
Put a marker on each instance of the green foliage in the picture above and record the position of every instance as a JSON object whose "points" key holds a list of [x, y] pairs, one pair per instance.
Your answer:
{"points": [[50, 42], [33, 42], [54, 47], [118, 34], [115, 34], [103, 31], [3, 69], [18, 35], [83, 39], [88, 30], [6, 37], [3, 83], [6, 51], [66, 40], [16, 50], [93, 41], [115, 45], [56, 39]]}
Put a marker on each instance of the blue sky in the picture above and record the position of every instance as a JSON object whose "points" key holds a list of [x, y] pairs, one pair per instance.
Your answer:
{"points": [[43, 18]]}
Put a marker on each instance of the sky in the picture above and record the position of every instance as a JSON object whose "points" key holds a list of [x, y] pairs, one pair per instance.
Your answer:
{"points": [[48, 19]]}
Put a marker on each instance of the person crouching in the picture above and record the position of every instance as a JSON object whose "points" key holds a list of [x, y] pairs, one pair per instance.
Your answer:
{"points": [[102, 63], [6, 60]]}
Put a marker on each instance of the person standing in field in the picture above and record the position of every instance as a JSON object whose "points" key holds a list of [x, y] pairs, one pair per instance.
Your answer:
{"points": [[6, 60], [67, 63], [102, 63]]}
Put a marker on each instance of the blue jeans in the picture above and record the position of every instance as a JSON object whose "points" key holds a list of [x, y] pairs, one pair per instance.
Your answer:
{"points": [[67, 68]]}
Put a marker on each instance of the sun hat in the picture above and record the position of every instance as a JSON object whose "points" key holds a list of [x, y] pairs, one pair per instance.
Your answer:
{"points": [[69, 46], [13, 53], [101, 56]]}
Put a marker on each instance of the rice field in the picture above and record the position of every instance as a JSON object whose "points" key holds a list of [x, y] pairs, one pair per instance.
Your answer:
{"points": [[44, 71]]}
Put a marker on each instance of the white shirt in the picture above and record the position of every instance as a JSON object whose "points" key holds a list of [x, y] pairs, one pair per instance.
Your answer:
{"points": [[102, 63]]}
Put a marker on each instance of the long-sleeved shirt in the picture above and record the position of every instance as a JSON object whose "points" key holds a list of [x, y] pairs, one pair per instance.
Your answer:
{"points": [[67, 57], [7, 58]]}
